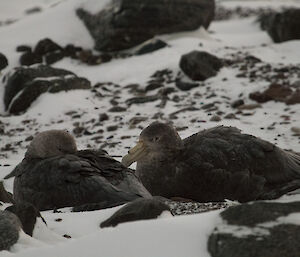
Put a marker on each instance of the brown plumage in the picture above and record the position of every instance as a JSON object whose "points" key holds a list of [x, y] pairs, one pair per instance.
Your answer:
{"points": [[213, 165], [54, 174]]}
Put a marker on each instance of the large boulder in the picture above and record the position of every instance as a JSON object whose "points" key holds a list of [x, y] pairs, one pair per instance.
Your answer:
{"points": [[3, 61], [26, 84], [282, 26], [200, 65], [265, 229], [126, 23]]}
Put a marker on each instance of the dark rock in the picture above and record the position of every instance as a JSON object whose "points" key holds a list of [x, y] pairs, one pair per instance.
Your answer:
{"points": [[256, 229], [282, 26], [185, 86], [237, 103], [54, 57], [29, 58], [88, 57], [112, 128], [207, 106], [275, 92], [28, 84], [200, 65], [294, 98], [33, 10], [230, 116], [78, 130], [103, 117], [123, 24], [136, 120], [10, 227], [142, 99], [117, 109], [3, 61], [215, 118], [23, 48], [249, 106], [45, 46], [153, 85], [152, 46], [71, 50], [140, 209]]}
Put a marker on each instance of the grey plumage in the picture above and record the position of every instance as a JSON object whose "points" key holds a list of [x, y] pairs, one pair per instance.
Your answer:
{"points": [[139, 209], [10, 227], [66, 177], [214, 164]]}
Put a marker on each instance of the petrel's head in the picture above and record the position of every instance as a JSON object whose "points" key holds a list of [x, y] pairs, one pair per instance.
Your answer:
{"points": [[157, 138], [51, 143]]}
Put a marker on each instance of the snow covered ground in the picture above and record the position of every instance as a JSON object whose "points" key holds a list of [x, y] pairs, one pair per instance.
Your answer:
{"points": [[175, 236]]}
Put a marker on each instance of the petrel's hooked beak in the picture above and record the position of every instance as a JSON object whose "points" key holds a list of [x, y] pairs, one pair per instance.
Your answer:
{"points": [[134, 154]]}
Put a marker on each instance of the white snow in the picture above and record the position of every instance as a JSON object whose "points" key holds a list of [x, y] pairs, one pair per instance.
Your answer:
{"points": [[168, 236]]}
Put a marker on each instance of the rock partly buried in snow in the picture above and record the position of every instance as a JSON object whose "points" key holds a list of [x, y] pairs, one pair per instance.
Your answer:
{"points": [[282, 26], [151, 46], [277, 92], [200, 65], [257, 229], [123, 24], [10, 227], [140, 209], [3, 61], [185, 86], [27, 84], [29, 58]]}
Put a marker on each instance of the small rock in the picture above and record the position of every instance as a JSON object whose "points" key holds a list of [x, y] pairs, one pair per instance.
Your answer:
{"points": [[33, 10], [45, 46], [103, 117], [29, 58], [142, 99], [153, 85], [71, 50], [215, 118], [249, 106], [294, 98], [136, 120], [23, 48], [112, 128], [207, 106], [54, 57], [151, 46], [185, 86], [78, 130], [296, 130], [237, 103], [29, 138], [230, 116], [200, 65], [117, 109]]}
